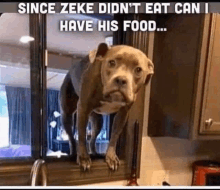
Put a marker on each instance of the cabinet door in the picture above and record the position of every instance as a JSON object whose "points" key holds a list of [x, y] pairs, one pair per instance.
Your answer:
{"points": [[210, 122]]}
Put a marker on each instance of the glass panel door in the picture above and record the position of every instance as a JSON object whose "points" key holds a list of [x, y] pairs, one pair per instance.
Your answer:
{"points": [[15, 93], [64, 50]]}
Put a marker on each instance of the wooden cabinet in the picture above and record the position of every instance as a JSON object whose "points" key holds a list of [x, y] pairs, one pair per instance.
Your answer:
{"points": [[185, 89], [211, 100]]}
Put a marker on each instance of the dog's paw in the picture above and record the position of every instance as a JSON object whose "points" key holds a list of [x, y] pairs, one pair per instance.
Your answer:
{"points": [[112, 159], [84, 162]]}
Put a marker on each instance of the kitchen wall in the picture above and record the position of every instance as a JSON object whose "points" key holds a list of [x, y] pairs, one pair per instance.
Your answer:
{"points": [[170, 159]]}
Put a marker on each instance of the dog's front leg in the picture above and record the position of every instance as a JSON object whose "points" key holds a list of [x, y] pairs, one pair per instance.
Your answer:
{"points": [[83, 158], [118, 124]]}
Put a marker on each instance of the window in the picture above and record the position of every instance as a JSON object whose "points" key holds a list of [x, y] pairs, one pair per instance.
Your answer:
{"points": [[4, 119], [64, 49], [15, 112], [30, 91]]}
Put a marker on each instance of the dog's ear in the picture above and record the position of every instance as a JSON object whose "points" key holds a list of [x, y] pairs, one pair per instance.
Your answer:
{"points": [[100, 51], [150, 67]]}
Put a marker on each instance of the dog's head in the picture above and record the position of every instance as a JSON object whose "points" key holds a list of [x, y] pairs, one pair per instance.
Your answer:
{"points": [[124, 70]]}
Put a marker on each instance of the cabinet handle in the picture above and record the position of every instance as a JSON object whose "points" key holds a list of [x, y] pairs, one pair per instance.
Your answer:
{"points": [[208, 123], [39, 166]]}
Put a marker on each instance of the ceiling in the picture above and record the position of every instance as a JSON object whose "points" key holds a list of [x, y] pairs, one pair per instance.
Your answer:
{"points": [[20, 77], [13, 26]]}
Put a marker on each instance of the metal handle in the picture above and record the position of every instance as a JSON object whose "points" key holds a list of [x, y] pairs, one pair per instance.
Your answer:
{"points": [[39, 166], [46, 57], [208, 123]]}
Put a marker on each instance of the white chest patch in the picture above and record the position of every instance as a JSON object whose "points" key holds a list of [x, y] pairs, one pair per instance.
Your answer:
{"points": [[109, 107]]}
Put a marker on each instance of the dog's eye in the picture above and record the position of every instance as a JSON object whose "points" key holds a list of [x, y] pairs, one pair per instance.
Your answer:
{"points": [[111, 63], [138, 70]]}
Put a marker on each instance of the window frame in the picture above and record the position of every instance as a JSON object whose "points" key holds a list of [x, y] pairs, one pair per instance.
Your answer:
{"points": [[21, 167]]}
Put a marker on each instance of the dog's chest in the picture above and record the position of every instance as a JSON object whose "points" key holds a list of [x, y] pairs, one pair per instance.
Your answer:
{"points": [[108, 107]]}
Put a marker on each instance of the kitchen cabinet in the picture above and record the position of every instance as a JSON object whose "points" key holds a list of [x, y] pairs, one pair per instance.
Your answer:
{"points": [[185, 89]]}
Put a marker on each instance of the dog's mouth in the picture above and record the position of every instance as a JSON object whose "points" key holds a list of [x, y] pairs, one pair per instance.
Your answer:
{"points": [[115, 96]]}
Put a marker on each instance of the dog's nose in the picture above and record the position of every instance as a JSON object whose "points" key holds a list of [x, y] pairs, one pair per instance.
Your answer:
{"points": [[120, 81]]}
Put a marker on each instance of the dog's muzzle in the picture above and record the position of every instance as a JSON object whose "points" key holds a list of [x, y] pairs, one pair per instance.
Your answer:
{"points": [[120, 81], [118, 90], [115, 96]]}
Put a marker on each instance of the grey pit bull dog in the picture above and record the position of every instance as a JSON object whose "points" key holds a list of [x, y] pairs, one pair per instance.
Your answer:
{"points": [[106, 81]]}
